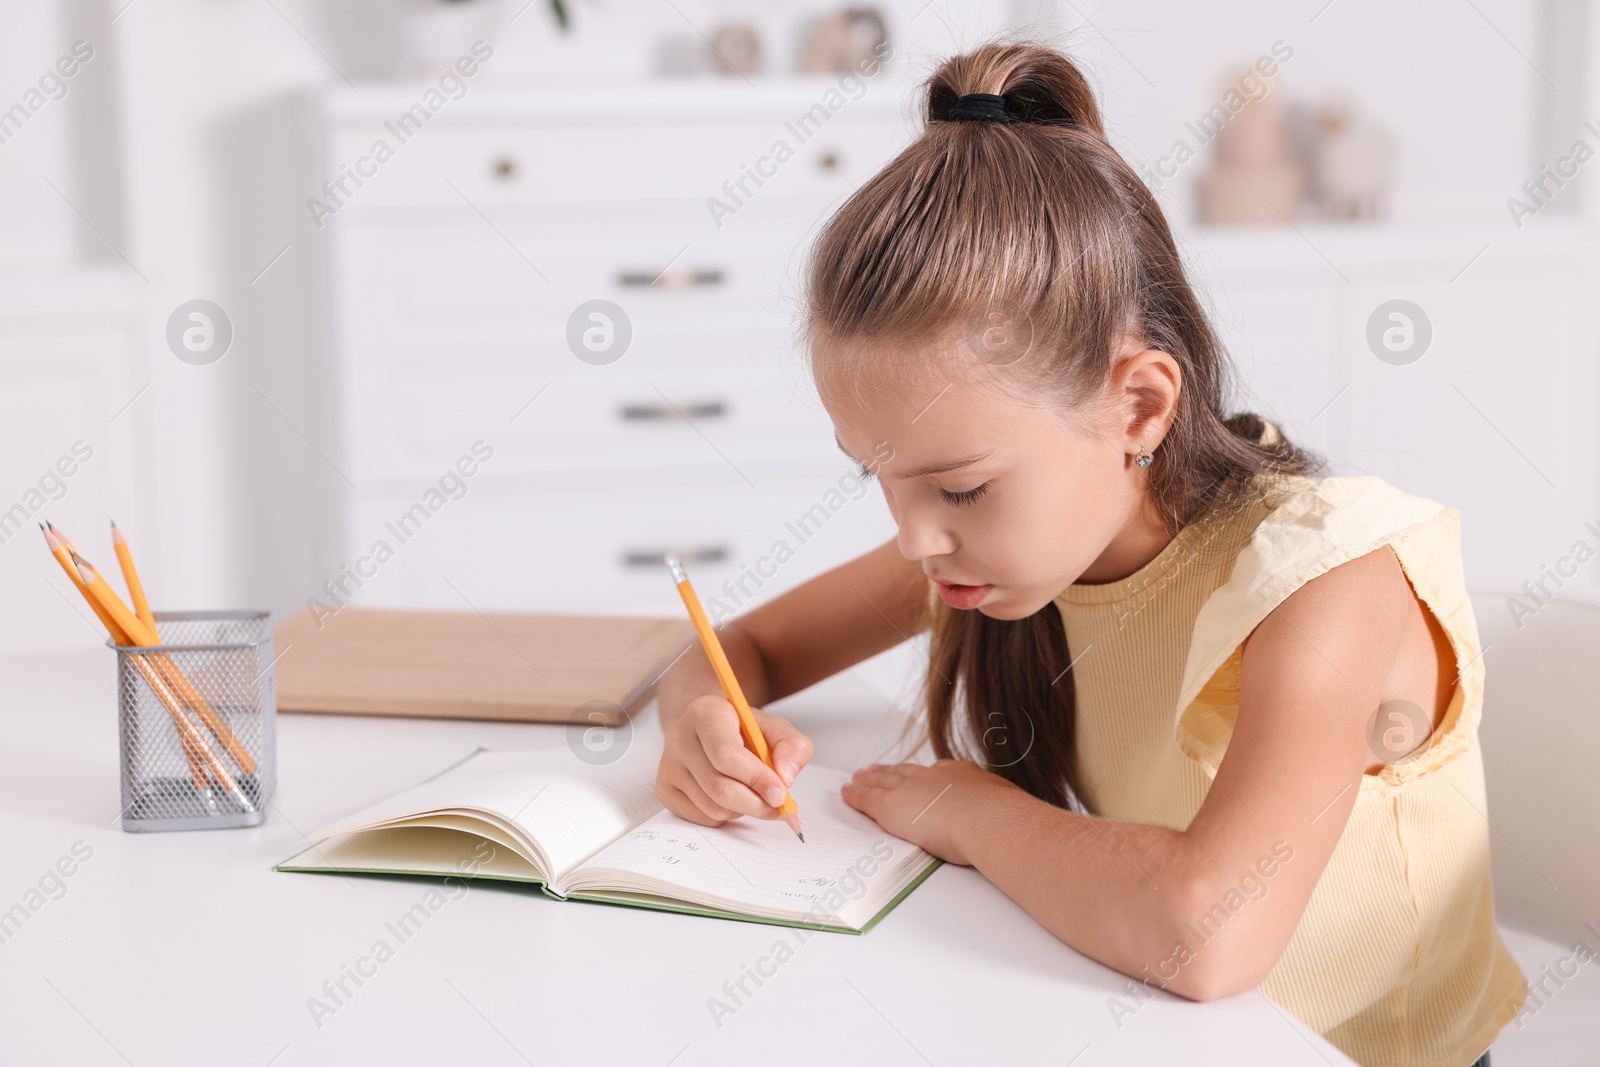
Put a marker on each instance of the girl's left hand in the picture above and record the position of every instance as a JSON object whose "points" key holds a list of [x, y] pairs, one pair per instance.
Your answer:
{"points": [[926, 805]]}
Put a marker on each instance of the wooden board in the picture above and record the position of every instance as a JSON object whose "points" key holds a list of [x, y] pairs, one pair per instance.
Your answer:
{"points": [[467, 665]]}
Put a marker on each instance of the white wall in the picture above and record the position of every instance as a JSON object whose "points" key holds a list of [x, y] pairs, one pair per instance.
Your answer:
{"points": [[39, 225]]}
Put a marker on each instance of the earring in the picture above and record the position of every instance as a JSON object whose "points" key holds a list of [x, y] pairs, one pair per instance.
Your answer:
{"points": [[1144, 458]]}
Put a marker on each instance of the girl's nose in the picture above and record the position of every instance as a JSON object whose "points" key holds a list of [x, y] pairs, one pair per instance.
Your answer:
{"points": [[920, 538]]}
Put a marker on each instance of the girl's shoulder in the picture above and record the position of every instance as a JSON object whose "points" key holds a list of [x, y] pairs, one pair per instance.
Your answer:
{"points": [[1304, 527], [1311, 517], [1279, 530]]}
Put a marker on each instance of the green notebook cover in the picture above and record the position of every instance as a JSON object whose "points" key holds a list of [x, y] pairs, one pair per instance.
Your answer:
{"points": [[601, 898]]}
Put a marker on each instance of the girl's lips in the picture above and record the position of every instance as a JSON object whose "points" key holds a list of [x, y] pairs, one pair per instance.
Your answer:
{"points": [[963, 596]]}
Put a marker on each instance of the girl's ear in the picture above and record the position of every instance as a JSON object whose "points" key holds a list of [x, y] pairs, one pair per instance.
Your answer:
{"points": [[1144, 391]]}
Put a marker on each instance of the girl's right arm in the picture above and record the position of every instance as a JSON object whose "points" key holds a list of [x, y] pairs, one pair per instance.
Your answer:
{"points": [[837, 619]]}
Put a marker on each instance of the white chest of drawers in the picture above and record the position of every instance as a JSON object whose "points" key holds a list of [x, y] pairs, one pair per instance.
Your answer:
{"points": [[455, 266]]}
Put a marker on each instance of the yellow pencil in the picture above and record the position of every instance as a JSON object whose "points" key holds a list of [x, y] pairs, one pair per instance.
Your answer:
{"points": [[130, 624], [753, 738], [197, 771], [130, 578], [175, 677]]}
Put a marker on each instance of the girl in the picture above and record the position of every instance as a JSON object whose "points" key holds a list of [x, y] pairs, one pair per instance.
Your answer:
{"points": [[1219, 713]]}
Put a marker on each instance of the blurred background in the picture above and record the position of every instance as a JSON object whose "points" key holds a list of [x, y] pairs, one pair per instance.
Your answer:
{"points": [[485, 304]]}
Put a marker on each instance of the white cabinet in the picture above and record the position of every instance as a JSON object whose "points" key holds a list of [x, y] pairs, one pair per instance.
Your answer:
{"points": [[456, 269], [1499, 417]]}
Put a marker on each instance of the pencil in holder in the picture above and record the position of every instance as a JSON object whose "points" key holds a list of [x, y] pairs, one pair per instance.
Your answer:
{"points": [[197, 717]]}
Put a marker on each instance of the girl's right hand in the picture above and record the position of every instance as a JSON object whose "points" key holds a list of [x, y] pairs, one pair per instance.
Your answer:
{"points": [[708, 776]]}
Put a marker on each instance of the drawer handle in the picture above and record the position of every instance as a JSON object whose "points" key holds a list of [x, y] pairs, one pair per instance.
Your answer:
{"points": [[705, 409], [671, 278], [646, 558]]}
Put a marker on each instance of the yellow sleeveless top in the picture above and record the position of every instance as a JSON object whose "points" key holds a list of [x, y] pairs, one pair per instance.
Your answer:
{"points": [[1397, 960]]}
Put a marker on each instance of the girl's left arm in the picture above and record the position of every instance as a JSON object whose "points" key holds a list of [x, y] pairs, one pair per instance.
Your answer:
{"points": [[1206, 911]]}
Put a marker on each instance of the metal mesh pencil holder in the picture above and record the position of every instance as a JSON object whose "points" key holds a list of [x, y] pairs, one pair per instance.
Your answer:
{"points": [[197, 721]]}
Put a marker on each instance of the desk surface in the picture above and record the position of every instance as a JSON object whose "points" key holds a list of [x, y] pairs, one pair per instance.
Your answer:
{"points": [[182, 948]]}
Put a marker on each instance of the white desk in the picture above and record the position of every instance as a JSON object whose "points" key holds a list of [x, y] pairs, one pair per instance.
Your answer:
{"points": [[185, 948]]}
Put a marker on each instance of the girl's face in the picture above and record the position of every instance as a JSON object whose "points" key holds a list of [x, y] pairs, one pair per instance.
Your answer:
{"points": [[1003, 502]]}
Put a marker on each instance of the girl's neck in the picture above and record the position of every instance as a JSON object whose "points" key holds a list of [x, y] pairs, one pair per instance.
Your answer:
{"points": [[1140, 540]]}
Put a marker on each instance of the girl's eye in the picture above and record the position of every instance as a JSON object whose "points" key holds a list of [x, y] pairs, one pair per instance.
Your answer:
{"points": [[969, 496], [864, 473]]}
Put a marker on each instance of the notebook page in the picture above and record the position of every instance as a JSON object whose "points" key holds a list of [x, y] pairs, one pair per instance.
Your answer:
{"points": [[759, 866], [568, 807]]}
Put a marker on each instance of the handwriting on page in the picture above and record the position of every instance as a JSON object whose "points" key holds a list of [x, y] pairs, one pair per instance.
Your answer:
{"points": [[758, 862], [819, 884], [670, 847]]}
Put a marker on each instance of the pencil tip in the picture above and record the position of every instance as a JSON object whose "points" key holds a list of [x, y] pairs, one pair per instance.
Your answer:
{"points": [[802, 838]]}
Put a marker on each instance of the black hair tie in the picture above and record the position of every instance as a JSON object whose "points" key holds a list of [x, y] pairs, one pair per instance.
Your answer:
{"points": [[980, 107]]}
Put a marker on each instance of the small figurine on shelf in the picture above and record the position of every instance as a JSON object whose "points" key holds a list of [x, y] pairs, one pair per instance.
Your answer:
{"points": [[736, 49], [1353, 163], [844, 41], [1254, 177]]}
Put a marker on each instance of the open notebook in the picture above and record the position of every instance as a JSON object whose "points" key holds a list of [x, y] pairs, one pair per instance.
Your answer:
{"points": [[586, 832]]}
